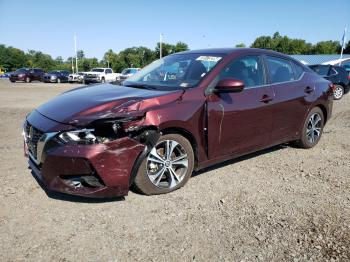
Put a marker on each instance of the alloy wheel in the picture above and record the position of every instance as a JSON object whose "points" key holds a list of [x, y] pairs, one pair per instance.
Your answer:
{"points": [[338, 92], [314, 126], [167, 164]]}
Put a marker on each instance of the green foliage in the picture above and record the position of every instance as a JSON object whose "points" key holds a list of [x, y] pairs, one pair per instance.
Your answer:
{"points": [[168, 49], [240, 45], [287, 45], [347, 48], [12, 58], [327, 47]]}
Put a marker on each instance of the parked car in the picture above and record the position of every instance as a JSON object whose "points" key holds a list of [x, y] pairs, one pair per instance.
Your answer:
{"points": [[27, 75], [76, 78], [57, 76], [337, 75], [6, 75], [126, 73], [184, 112], [100, 75]]}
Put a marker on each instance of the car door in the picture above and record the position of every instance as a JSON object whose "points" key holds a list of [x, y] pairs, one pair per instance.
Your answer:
{"points": [[294, 92], [109, 75], [240, 122]]}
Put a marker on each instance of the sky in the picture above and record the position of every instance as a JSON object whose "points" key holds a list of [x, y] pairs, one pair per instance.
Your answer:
{"points": [[50, 25]]}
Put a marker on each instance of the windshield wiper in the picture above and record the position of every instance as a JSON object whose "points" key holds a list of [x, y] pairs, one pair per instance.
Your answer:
{"points": [[141, 86]]}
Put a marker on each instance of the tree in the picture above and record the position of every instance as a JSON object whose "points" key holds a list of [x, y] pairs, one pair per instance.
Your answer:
{"points": [[180, 47], [327, 47], [80, 54], [240, 45], [12, 58], [168, 49]]}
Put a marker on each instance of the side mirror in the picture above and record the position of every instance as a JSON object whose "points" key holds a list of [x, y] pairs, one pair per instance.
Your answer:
{"points": [[229, 85]]}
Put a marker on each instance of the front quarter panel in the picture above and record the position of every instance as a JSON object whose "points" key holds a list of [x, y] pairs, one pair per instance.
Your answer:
{"points": [[185, 114]]}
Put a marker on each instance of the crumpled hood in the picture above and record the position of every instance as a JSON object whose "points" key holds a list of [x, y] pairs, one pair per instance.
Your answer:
{"points": [[83, 105]]}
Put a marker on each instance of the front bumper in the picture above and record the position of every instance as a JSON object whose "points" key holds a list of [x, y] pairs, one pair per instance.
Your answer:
{"points": [[92, 80], [17, 78], [50, 80], [110, 163]]}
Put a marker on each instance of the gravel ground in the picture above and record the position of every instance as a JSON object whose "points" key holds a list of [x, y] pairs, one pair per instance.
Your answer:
{"points": [[280, 204]]}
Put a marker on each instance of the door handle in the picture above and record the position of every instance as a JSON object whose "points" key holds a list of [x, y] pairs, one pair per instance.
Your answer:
{"points": [[308, 90], [265, 99]]}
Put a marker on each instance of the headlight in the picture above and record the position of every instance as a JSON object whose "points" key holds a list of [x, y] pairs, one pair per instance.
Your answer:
{"points": [[20, 75], [53, 77], [83, 136]]}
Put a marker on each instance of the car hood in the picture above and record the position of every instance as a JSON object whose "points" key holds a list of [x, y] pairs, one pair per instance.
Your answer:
{"points": [[85, 104]]}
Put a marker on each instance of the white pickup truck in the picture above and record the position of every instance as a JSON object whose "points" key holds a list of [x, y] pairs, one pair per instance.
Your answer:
{"points": [[100, 75]]}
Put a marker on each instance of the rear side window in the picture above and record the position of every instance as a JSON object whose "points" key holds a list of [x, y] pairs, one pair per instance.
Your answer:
{"points": [[247, 69], [298, 70], [322, 70], [333, 72], [280, 70], [108, 71]]}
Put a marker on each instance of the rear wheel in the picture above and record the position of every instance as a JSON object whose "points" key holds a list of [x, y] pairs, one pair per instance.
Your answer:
{"points": [[338, 92], [312, 129], [167, 167]]}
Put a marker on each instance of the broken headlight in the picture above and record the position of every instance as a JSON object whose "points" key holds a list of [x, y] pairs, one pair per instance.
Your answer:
{"points": [[82, 136]]}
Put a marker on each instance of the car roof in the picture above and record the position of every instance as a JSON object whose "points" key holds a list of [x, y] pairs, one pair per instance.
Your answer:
{"points": [[228, 51]]}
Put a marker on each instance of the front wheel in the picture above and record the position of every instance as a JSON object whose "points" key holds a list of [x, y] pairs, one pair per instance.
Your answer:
{"points": [[27, 79], [58, 80], [103, 80], [312, 129], [338, 92], [167, 167]]}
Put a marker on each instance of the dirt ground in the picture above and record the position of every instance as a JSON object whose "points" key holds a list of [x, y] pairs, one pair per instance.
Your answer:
{"points": [[281, 204]]}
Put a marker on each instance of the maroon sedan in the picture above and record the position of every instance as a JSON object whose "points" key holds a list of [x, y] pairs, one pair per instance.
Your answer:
{"points": [[181, 113]]}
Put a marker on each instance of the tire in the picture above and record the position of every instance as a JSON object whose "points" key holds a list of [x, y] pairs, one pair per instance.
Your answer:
{"points": [[12, 81], [160, 170], [311, 133], [103, 80], [58, 81], [338, 92], [27, 79]]}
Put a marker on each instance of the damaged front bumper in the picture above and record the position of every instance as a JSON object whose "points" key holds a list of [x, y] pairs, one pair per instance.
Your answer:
{"points": [[95, 170]]}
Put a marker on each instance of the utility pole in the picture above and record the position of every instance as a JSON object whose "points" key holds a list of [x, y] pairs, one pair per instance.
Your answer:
{"points": [[72, 64], [160, 45], [76, 54], [342, 46]]}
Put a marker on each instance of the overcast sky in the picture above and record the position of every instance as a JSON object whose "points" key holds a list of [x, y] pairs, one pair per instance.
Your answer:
{"points": [[49, 25]]}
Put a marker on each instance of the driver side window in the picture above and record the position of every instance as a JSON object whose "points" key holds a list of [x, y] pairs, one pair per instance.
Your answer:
{"points": [[247, 69]]}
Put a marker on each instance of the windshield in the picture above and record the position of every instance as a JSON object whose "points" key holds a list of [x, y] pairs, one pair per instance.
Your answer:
{"points": [[175, 71], [97, 70], [21, 70]]}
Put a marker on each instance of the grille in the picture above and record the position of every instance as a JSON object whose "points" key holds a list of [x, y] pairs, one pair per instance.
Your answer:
{"points": [[33, 136]]}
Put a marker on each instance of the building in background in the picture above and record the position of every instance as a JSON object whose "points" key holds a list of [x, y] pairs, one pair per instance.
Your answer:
{"points": [[324, 59]]}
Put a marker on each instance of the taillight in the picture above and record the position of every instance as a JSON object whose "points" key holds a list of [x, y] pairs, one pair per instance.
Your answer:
{"points": [[332, 87], [349, 77]]}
